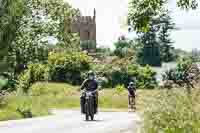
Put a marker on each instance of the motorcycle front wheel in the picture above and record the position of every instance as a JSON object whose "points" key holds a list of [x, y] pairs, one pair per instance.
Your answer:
{"points": [[87, 114], [92, 117], [87, 117]]}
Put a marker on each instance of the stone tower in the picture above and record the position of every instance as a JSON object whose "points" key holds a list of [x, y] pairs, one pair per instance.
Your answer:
{"points": [[86, 27]]}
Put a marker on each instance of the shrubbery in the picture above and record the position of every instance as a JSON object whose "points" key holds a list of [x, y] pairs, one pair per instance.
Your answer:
{"points": [[120, 89], [72, 66], [7, 83], [115, 74], [146, 78], [68, 67], [186, 74], [35, 72], [61, 67]]}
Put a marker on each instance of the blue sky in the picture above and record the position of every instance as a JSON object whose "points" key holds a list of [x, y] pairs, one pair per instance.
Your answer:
{"points": [[111, 22]]}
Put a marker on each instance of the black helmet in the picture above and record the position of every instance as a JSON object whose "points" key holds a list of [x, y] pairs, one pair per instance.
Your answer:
{"points": [[131, 83], [91, 73]]}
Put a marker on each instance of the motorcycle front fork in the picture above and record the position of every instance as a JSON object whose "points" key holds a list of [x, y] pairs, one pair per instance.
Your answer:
{"points": [[131, 102]]}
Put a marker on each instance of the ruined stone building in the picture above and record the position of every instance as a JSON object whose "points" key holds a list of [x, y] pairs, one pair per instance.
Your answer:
{"points": [[86, 27]]}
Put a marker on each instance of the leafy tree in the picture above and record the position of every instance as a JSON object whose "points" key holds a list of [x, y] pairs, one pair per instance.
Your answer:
{"points": [[150, 51], [156, 41], [166, 25], [10, 14], [44, 19], [141, 12]]}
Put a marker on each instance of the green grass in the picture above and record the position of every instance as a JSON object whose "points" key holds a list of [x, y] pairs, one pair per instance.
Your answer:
{"points": [[163, 111], [173, 111], [46, 96]]}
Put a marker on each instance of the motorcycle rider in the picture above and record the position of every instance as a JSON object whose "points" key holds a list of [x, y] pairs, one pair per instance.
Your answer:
{"points": [[90, 84]]}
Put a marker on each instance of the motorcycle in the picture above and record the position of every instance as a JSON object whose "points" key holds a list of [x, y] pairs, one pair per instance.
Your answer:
{"points": [[89, 105], [132, 105]]}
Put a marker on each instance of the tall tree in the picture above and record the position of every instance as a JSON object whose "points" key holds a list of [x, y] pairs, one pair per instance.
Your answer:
{"points": [[165, 42], [45, 19], [10, 14], [150, 51], [142, 11]]}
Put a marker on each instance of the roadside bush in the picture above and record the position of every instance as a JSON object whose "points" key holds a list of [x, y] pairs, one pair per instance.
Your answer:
{"points": [[173, 112], [68, 66], [146, 78], [119, 89], [186, 74], [7, 82], [25, 113], [35, 72]]}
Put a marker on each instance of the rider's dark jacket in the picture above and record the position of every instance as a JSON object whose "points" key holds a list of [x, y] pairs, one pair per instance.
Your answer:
{"points": [[132, 90], [89, 85]]}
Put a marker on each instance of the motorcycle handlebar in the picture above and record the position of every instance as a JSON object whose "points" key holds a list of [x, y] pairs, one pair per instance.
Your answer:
{"points": [[91, 91]]}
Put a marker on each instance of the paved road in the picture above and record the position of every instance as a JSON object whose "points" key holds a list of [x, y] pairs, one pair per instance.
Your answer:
{"points": [[66, 121]]}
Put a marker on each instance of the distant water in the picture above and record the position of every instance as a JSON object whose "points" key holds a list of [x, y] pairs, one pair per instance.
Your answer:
{"points": [[161, 70]]}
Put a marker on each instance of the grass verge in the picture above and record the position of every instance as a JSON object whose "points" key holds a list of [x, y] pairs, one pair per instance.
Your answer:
{"points": [[173, 111], [46, 96]]}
